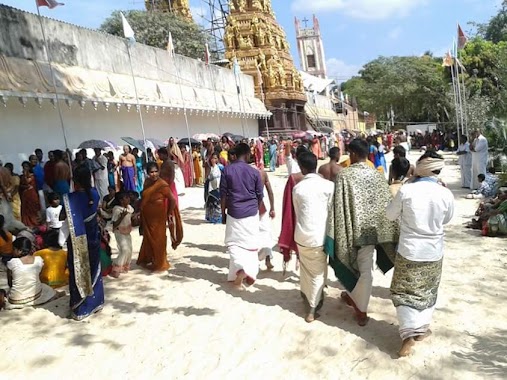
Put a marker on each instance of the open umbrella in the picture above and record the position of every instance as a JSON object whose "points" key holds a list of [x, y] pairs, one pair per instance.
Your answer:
{"points": [[97, 144], [135, 143], [237, 138], [200, 137], [184, 141], [156, 142]]}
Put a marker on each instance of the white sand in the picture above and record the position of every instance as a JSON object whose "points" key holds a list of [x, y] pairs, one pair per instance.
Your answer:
{"points": [[189, 323]]}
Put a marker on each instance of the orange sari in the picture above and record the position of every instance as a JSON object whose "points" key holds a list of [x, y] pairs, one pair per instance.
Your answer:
{"points": [[155, 217]]}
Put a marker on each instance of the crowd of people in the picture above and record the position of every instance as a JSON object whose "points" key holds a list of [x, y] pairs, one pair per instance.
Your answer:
{"points": [[344, 214]]}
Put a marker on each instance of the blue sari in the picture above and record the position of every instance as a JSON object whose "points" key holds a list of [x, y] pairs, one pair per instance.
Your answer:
{"points": [[140, 174], [85, 280]]}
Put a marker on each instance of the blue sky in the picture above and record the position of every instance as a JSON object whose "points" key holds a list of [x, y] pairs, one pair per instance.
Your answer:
{"points": [[354, 31]]}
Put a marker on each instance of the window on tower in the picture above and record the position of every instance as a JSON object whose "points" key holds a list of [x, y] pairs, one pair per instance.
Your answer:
{"points": [[310, 58]]}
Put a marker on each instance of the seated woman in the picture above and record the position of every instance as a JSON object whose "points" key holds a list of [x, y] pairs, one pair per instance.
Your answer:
{"points": [[54, 272], [26, 288]]}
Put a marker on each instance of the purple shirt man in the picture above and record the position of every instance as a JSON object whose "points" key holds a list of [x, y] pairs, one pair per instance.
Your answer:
{"points": [[242, 190]]}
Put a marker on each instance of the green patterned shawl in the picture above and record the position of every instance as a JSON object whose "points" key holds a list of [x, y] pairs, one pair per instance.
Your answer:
{"points": [[357, 219]]}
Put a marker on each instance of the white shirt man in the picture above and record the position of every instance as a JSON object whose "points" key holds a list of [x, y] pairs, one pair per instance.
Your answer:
{"points": [[312, 198], [100, 176], [465, 163], [479, 150]]}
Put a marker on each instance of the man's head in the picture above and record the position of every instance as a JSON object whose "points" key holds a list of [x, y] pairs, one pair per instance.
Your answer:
{"points": [[464, 139], [126, 149], [39, 154], [334, 154], [97, 151], [231, 155], [9, 166], [243, 152], [58, 155], [399, 151], [430, 163], [300, 150], [307, 162], [358, 149], [481, 178], [163, 154], [51, 239], [51, 156], [400, 167]]}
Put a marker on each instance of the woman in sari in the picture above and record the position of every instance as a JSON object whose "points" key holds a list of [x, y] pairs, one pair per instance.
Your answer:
{"points": [[187, 166], [111, 170], [158, 208], [196, 157], [83, 244], [213, 207], [259, 154], [30, 204], [139, 170], [13, 190]]}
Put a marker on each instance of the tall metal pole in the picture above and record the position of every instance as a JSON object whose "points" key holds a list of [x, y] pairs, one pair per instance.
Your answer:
{"points": [[215, 97], [456, 104], [48, 53], [137, 97]]}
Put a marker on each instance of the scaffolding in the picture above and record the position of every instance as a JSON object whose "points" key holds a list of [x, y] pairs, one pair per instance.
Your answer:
{"points": [[214, 21]]}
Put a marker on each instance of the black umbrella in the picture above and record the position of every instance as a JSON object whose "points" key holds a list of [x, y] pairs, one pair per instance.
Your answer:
{"points": [[184, 141], [237, 138], [158, 143], [97, 144], [135, 143], [228, 134]]}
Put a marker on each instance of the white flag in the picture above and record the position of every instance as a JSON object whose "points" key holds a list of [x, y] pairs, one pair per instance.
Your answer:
{"points": [[236, 67], [128, 32], [170, 45]]}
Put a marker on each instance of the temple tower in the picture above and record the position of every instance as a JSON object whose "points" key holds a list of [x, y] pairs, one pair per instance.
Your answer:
{"points": [[254, 38], [178, 7], [311, 48]]}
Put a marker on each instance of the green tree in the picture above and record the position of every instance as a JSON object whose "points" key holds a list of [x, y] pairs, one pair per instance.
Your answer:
{"points": [[496, 29], [415, 87], [152, 28]]}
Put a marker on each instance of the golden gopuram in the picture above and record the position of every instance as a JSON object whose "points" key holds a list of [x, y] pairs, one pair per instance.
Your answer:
{"points": [[259, 44], [178, 7]]}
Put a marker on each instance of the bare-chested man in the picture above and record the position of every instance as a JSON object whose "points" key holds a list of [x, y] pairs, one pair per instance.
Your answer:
{"points": [[330, 170], [128, 169], [61, 174], [167, 171]]}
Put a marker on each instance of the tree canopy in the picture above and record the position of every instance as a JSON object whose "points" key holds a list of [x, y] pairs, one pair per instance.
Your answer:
{"points": [[152, 28]]}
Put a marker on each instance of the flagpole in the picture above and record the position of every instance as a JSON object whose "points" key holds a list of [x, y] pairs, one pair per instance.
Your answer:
{"points": [[464, 99], [128, 42], [215, 97], [455, 104], [48, 53], [236, 79]]}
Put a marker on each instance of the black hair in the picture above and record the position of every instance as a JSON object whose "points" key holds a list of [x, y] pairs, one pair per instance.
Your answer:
{"points": [[399, 151], [82, 176], [111, 188], [152, 164], [242, 149], [481, 177], [308, 161], [9, 166], [123, 194], [51, 239], [464, 138], [300, 150], [30, 170], [163, 150], [3, 234], [334, 153], [491, 170], [53, 197], [38, 150], [430, 153], [401, 167], [58, 154], [359, 147], [24, 245]]}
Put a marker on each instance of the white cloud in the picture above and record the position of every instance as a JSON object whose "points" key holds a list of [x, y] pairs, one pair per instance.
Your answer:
{"points": [[395, 33], [360, 9], [340, 70]]}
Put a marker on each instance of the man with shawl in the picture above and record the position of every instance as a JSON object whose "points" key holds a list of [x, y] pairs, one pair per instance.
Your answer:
{"points": [[241, 192], [423, 206], [359, 227], [479, 150]]}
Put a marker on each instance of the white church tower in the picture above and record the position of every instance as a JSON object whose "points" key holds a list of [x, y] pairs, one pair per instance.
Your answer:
{"points": [[311, 48]]}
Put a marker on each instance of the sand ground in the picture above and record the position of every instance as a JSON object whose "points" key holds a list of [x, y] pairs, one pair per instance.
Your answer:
{"points": [[189, 323]]}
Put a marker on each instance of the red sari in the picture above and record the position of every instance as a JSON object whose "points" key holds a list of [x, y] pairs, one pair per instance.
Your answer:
{"points": [[155, 217], [30, 203], [187, 169]]}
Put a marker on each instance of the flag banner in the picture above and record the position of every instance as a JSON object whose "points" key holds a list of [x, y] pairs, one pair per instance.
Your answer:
{"points": [[448, 60], [461, 66], [128, 32], [170, 45], [48, 3], [206, 54], [236, 67], [462, 38]]}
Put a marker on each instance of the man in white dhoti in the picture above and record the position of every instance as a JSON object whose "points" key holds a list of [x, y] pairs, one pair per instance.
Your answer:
{"points": [[479, 150], [423, 206], [312, 198], [465, 162], [241, 192]]}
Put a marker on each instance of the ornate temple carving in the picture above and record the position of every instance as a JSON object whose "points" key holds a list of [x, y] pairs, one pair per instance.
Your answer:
{"points": [[257, 41], [178, 7]]}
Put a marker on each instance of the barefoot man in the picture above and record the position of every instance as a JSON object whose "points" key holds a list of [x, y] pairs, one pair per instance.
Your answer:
{"points": [[61, 174], [330, 170], [358, 227], [128, 169], [312, 198], [424, 206], [241, 194]]}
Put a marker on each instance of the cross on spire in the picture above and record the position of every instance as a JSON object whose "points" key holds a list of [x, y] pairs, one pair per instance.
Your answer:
{"points": [[305, 21]]}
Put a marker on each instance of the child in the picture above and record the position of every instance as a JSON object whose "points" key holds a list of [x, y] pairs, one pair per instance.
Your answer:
{"points": [[122, 227], [53, 221], [26, 288], [54, 271], [399, 171], [484, 191]]}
